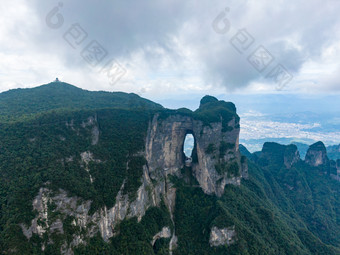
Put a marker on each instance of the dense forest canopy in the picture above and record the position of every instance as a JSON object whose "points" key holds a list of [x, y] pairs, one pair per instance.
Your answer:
{"points": [[44, 130]]}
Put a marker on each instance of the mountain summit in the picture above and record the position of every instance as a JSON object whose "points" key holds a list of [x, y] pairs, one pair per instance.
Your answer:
{"points": [[59, 95]]}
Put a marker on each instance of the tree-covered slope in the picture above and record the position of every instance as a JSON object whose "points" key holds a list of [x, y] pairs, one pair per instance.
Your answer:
{"points": [[276, 211], [68, 155], [18, 103]]}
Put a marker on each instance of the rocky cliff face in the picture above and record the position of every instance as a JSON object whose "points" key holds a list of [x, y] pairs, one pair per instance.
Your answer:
{"points": [[334, 169], [286, 155], [291, 156], [216, 156], [224, 236], [317, 155], [104, 221], [216, 163]]}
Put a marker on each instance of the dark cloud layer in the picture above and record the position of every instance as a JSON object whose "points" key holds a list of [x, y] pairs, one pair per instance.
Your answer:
{"points": [[181, 34]]}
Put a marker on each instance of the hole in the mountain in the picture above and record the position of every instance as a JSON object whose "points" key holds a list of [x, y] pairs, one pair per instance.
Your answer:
{"points": [[188, 147]]}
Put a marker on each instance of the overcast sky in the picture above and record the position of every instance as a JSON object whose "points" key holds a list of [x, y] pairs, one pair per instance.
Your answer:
{"points": [[171, 47]]}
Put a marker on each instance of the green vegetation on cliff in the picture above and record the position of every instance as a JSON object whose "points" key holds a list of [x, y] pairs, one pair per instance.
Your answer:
{"points": [[48, 138], [210, 110]]}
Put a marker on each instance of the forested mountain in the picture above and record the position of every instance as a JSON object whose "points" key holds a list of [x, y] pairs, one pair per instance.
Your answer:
{"points": [[333, 152], [19, 103], [104, 173]]}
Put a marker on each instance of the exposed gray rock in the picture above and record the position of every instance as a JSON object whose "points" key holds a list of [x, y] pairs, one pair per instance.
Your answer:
{"points": [[274, 153], [164, 233], [39, 225], [291, 155], [57, 226], [105, 219], [92, 123], [70, 125], [335, 169], [244, 164], [224, 236], [216, 150], [144, 199], [173, 243], [86, 158], [317, 155], [164, 150], [32, 139], [95, 135]]}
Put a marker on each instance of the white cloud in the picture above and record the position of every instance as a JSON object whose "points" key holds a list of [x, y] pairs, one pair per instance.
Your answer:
{"points": [[170, 47], [260, 129]]}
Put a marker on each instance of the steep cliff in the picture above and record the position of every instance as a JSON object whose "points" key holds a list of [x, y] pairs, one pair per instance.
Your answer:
{"points": [[216, 163], [216, 159], [274, 153], [94, 179], [317, 155]]}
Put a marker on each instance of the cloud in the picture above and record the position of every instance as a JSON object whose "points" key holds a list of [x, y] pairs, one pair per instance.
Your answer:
{"points": [[261, 130], [170, 47]]}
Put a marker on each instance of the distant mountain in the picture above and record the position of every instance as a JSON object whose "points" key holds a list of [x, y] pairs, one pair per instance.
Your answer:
{"points": [[302, 147], [244, 151], [256, 144], [333, 152]]}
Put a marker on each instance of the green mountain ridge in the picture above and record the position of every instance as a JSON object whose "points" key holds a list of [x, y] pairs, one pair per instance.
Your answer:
{"points": [[20, 103], [76, 150]]}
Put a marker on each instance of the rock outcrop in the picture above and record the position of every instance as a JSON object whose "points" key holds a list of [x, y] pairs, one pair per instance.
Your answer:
{"points": [[216, 157], [164, 233], [103, 221], [274, 153], [92, 123], [224, 236], [334, 171], [291, 155], [317, 155], [216, 162]]}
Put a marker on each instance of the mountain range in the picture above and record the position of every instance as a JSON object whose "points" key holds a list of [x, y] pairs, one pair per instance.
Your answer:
{"points": [[86, 172]]}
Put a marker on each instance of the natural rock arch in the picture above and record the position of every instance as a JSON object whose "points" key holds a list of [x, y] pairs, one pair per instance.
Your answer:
{"points": [[164, 150]]}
